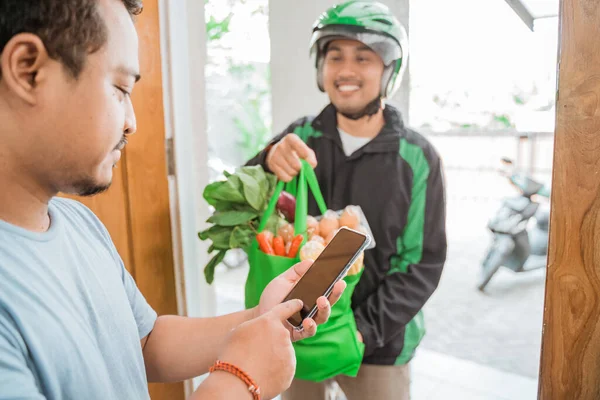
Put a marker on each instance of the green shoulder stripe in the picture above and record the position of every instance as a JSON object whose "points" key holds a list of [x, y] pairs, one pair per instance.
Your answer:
{"points": [[410, 244]]}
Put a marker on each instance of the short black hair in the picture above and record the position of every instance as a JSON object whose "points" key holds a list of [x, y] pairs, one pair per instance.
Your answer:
{"points": [[70, 29]]}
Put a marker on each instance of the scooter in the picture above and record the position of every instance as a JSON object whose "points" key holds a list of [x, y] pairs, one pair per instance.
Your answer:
{"points": [[519, 228]]}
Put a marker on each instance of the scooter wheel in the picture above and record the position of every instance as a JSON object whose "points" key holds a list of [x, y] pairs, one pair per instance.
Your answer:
{"points": [[487, 276], [502, 247], [490, 266]]}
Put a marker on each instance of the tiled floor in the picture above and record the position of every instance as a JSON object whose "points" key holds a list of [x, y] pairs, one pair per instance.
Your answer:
{"points": [[437, 376]]}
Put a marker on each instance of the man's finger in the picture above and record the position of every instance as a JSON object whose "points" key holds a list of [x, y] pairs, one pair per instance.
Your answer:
{"points": [[312, 158], [281, 175], [281, 172], [336, 293], [324, 310], [282, 164], [310, 328], [293, 161], [303, 150], [285, 310]]}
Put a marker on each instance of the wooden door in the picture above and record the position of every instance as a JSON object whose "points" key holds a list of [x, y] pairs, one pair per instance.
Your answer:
{"points": [[569, 366], [136, 209]]}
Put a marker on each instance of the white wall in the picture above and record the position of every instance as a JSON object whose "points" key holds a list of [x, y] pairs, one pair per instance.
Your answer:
{"points": [[183, 48], [293, 75], [184, 54]]}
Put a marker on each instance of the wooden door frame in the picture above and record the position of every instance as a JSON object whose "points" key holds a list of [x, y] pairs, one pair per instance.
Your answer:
{"points": [[183, 59], [183, 48], [569, 367]]}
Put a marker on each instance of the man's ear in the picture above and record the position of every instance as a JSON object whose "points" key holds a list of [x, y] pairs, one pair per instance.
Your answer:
{"points": [[21, 63]]}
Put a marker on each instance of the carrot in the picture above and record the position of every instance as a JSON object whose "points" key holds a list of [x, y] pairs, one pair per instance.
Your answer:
{"points": [[264, 243], [279, 246], [295, 246], [269, 236]]}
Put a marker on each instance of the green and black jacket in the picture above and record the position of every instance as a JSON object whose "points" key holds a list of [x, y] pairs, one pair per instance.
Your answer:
{"points": [[397, 180]]}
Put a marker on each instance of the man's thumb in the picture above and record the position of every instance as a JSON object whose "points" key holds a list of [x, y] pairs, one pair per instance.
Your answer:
{"points": [[285, 310]]}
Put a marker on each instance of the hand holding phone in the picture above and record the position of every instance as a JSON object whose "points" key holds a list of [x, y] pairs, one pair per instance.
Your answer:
{"points": [[327, 269]]}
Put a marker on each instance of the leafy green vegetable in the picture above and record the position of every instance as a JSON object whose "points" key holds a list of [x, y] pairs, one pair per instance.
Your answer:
{"points": [[209, 270], [239, 202], [271, 183], [230, 190], [264, 180], [232, 218], [252, 191], [209, 190], [241, 237], [227, 206], [219, 235]]}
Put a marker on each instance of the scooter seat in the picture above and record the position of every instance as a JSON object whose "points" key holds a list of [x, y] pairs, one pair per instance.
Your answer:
{"points": [[517, 204]]}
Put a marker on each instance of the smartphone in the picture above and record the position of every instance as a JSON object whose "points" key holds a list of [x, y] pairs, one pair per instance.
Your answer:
{"points": [[326, 270]]}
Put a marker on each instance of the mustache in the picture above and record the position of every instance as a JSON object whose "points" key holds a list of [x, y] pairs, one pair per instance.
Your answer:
{"points": [[121, 143]]}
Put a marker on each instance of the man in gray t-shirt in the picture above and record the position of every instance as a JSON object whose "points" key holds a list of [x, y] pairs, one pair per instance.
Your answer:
{"points": [[73, 324], [62, 304]]}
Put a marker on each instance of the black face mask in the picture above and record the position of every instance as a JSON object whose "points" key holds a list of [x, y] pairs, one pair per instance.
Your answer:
{"points": [[370, 109]]}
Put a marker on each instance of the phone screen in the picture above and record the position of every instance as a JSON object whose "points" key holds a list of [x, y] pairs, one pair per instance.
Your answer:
{"points": [[322, 275]]}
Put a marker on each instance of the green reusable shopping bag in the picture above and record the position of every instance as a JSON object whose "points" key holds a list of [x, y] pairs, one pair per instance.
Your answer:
{"points": [[335, 348]]}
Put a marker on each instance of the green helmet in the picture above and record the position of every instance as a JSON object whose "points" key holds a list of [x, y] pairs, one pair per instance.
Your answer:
{"points": [[370, 23]]}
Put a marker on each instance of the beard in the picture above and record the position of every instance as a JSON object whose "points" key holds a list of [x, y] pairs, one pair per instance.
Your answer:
{"points": [[87, 187]]}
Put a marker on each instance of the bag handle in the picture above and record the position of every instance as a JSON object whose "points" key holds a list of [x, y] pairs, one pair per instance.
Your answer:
{"points": [[306, 179]]}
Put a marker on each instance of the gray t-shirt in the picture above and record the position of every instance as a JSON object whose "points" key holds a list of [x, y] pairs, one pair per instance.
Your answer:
{"points": [[71, 316], [352, 143]]}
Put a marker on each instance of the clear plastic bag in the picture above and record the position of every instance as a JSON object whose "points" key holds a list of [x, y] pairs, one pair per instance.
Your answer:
{"points": [[363, 224]]}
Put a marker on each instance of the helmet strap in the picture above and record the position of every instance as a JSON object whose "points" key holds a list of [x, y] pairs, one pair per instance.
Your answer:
{"points": [[370, 109]]}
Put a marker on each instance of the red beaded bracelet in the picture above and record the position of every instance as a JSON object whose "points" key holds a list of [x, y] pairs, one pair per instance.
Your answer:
{"points": [[232, 369]]}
